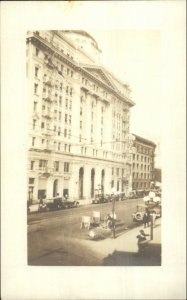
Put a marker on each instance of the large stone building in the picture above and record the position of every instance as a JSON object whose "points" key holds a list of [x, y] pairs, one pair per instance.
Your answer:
{"points": [[78, 118], [142, 164]]}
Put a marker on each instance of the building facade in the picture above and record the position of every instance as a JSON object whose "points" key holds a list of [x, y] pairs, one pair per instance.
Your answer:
{"points": [[157, 175], [78, 118], [142, 164]]}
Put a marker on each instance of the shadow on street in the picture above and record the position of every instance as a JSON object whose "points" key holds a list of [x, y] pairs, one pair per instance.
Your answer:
{"points": [[150, 257]]}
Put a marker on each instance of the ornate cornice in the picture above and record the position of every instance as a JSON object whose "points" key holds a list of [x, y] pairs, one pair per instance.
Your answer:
{"points": [[41, 42]]}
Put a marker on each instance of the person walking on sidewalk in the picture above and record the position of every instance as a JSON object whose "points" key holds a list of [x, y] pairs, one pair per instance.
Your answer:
{"points": [[142, 240]]}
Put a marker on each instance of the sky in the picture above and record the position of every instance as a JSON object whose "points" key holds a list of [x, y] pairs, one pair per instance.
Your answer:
{"points": [[134, 57]]}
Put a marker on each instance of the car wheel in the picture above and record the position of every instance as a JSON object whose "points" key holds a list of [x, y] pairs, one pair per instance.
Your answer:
{"points": [[138, 216]]}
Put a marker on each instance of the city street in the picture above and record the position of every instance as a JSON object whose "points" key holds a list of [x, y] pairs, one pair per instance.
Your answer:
{"points": [[55, 237]]}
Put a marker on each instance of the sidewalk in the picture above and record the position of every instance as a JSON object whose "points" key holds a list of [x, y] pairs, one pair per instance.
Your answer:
{"points": [[126, 243]]}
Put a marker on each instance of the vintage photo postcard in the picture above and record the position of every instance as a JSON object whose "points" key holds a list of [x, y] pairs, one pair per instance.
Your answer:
{"points": [[93, 149]]}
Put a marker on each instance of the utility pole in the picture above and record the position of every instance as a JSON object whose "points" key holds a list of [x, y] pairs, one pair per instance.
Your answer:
{"points": [[113, 219], [151, 229]]}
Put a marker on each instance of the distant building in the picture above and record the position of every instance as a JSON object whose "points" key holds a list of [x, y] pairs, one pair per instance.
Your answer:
{"points": [[78, 118], [142, 163], [157, 175]]}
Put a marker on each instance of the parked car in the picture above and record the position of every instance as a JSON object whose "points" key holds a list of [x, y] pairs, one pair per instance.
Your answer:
{"points": [[54, 203], [140, 210], [60, 203], [99, 198], [132, 195], [69, 203]]}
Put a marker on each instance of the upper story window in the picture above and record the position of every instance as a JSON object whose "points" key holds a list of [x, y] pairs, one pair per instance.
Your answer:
{"points": [[56, 166], [66, 103], [33, 141], [32, 165], [37, 52], [35, 88], [36, 71], [42, 163], [71, 73], [34, 124], [66, 167]]}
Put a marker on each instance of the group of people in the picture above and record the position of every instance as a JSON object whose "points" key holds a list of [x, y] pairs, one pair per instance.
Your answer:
{"points": [[147, 218]]}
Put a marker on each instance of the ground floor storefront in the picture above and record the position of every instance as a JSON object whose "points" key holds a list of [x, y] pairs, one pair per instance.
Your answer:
{"points": [[78, 178]]}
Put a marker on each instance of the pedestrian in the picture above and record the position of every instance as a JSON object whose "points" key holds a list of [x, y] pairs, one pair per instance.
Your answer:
{"points": [[41, 201], [111, 224], [146, 219], [142, 240]]}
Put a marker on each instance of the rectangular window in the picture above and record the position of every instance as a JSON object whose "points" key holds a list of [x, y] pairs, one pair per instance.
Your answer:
{"points": [[60, 115], [80, 124], [66, 167], [69, 148], [34, 124], [33, 141], [42, 125], [59, 131], [35, 88], [70, 104], [117, 171], [81, 111], [60, 100], [43, 140], [65, 132], [71, 92], [66, 103], [31, 180], [66, 118], [69, 136], [59, 146], [71, 73], [56, 166], [37, 51], [32, 165], [67, 71], [36, 71], [42, 164], [69, 119]]}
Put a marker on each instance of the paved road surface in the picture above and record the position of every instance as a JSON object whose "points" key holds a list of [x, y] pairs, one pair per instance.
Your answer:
{"points": [[53, 237]]}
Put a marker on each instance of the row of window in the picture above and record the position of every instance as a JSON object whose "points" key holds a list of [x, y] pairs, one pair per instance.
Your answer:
{"points": [[43, 165], [141, 175], [142, 167], [143, 158], [144, 150], [139, 185], [118, 171], [56, 145]]}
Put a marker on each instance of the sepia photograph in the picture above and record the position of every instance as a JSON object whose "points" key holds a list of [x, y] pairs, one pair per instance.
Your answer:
{"points": [[94, 186], [93, 150]]}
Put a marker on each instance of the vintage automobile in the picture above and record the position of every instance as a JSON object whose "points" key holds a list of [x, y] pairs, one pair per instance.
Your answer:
{"points": [[57, 203], [140, 210], [99, 198]]}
